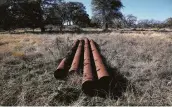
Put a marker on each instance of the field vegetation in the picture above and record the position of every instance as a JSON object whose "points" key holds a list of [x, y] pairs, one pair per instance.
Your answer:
{"points": [[28, 61], [35, 35]]}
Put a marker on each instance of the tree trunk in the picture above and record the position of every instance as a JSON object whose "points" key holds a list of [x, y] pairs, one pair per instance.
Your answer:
{"points": [[70, 23], [42, 29], [105, 25], [61, 28]]}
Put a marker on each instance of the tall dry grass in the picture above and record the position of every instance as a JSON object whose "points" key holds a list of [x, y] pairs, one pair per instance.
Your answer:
{"points": [[27, 63]]}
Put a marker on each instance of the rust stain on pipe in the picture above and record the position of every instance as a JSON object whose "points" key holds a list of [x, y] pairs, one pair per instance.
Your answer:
{"points": [[88, 83], [104, 79], [75, 44], [100, 67], [60, 72], [73, 49], [76, 60], [63, 67]]}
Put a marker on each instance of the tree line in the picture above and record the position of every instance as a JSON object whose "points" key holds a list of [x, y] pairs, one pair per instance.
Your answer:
{"points": [[131, 21], [40, 13]]}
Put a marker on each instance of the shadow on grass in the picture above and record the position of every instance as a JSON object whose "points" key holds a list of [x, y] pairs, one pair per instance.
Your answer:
{"points": [[113, 86]]}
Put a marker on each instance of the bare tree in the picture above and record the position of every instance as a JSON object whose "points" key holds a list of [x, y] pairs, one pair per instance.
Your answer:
{"points": [[131, 20]]}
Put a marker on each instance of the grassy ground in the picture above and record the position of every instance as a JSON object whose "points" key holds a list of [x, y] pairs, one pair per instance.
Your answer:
{"points": [[27, 63]]}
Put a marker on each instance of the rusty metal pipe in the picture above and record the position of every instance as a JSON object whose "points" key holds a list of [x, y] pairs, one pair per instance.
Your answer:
{"points": [[62, 69], [88, 83], [100, 67], [76, 60], [59, 73], [102, 73], [75, 44]]}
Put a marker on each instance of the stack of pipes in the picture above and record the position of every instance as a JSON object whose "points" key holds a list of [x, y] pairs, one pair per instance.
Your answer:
{"points": [[95, 75]]}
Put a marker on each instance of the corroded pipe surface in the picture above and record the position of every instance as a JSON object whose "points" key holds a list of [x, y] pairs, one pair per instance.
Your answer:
{"points": [[63, 67], [75, 44], [88, 83], [73, 49], [100, 67], [76, 60], [104, 79], [59, 73]]}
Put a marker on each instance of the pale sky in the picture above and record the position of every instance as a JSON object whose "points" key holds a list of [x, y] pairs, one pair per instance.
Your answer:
{"points": [[142, 9]]}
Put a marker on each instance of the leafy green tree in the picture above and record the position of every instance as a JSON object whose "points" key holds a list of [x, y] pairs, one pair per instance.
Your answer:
{"points": [[96, 22], [76, 13], [30, 14], [55, 14], [70, 12], [79, 15], [26, 13], [5, 18], [107, 10], [21, 13], [39, 13]]}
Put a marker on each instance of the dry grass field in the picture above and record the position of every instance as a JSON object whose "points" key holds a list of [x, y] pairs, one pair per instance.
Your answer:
{"points": [[28, 61]]}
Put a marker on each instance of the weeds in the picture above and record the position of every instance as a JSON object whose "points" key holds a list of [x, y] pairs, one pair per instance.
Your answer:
{"points": [[144, 58]]}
